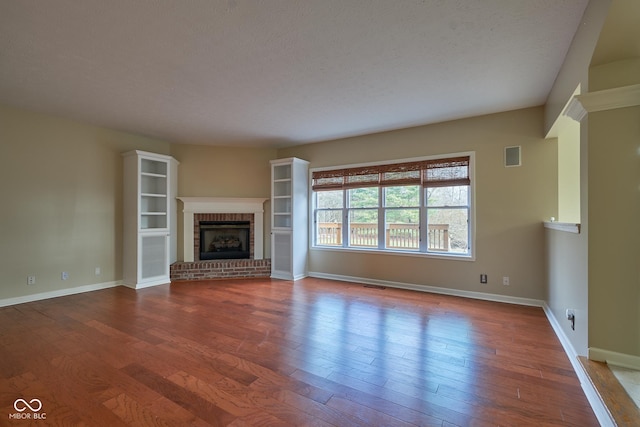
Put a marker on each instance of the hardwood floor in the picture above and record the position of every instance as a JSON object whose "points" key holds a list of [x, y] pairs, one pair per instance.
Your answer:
{"points": [[275, 353]]}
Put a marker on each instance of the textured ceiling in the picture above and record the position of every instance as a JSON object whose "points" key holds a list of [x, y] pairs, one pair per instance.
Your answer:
{"points": [[279, 72]]}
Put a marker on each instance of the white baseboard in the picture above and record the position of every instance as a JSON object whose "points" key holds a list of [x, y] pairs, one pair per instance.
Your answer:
{"points": [[432, 289], [147, 284], [599, 409], [57, 293], [613, 358]]}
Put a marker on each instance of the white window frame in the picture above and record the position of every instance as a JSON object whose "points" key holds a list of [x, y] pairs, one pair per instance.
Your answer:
{"points": [[423, 208]]}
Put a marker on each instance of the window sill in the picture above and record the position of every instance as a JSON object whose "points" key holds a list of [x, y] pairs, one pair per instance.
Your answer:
{"points": [[447, 256], [562, 226]]}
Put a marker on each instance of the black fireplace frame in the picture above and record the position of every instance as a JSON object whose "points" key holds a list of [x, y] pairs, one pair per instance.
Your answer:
{"points": [[225, 252]]}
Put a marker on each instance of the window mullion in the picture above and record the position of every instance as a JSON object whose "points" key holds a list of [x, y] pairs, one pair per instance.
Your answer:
{"points": [[345, 220], [381, 219], [424, 237]]}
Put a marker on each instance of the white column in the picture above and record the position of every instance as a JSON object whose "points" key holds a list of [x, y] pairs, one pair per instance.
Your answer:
{"points": [[188, 236], [258, 235]]}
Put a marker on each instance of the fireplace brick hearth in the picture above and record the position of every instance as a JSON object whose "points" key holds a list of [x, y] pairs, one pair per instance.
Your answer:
{"points": [[221, 269]]}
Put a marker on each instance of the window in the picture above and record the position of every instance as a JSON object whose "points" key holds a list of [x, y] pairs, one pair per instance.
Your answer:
{"points": [[420, 206]]}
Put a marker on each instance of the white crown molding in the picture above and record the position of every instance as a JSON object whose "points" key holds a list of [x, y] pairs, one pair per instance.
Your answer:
{"points": [[602, 100], [575, 110]]}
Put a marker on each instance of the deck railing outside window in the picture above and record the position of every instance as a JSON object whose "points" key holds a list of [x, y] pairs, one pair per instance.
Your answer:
{"points": [[397, 236]]}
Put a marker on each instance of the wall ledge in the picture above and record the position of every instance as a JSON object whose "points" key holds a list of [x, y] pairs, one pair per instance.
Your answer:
{"points": [[562, 226]]}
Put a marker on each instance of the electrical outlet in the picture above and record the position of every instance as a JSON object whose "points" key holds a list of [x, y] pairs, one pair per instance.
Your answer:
{"points": [[98, 271], [31, 280], [483, 278], [64, 275], [505, 280]]}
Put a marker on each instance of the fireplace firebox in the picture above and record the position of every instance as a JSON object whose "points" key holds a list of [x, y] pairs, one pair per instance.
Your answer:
{"points": [[225, 240]]}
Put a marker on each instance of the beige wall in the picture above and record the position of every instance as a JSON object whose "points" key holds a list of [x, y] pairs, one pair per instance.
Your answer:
{"points": [[614, 213], [566, 253], [223, 171], [614, 186], [209, 171], [61, 186], [61, 183], [511, 203], [567, 271]]}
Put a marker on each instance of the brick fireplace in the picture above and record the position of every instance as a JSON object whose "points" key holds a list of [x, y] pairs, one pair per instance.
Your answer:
{"points": [[208, 210]]}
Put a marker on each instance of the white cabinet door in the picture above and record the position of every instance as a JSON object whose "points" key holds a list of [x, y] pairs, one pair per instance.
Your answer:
{"points": [[282, 255], [154, 257]]}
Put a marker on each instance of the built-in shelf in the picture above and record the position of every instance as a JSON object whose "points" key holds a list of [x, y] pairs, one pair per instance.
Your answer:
{"points": [[289, 218], [563, 226], [149, 218]]}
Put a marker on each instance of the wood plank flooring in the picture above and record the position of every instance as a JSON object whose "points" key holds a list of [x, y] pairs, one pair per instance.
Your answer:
{"points": [[274, 353]]}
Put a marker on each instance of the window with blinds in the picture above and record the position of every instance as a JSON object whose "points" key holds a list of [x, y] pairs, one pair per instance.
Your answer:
{"points": [[427, 173], [418, 206]]}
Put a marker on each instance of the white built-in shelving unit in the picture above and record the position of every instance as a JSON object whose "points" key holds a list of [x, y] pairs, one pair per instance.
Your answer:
{"points": [[289, 218], [149, 242]]}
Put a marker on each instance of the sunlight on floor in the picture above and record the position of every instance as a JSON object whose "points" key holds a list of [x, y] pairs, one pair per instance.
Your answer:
{"points": [[630, 380]]}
